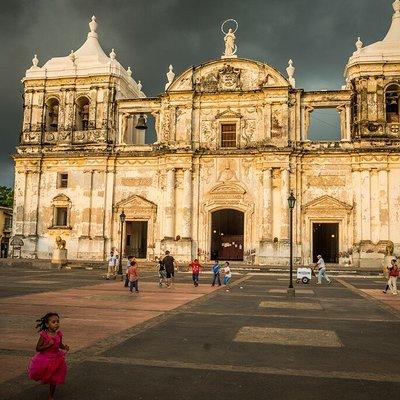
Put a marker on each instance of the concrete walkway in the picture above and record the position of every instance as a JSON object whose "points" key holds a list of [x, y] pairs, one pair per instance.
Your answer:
{"points": [[336, 341]]}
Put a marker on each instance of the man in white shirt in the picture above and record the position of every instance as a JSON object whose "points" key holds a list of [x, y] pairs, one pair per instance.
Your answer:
{"points": [[321, 270], [112, 262]]}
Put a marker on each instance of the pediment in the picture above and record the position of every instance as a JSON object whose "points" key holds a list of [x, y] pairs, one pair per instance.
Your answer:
{"points": [[135, 202], [228, 75], [61, 198], [327, 202], [228, 113], [228, 189]]}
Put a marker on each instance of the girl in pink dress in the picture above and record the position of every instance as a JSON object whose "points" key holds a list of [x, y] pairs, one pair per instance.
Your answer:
{"points": [[48, 365]]}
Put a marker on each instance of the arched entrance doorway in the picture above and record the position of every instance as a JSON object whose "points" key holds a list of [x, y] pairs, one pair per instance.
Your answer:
{"points": [[227, 235]]}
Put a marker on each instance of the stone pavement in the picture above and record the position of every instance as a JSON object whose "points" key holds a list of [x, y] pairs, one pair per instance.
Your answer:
{"points": [[334, 341]]}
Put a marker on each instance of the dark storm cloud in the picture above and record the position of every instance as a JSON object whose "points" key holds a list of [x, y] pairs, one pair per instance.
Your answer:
{"points": [[148, 35]]}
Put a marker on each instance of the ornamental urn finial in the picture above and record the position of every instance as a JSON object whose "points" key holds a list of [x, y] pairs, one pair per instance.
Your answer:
{"points": [[129, 71], [93, 24], [290, 71], [113, 55], [170, 76], [139, 86]]}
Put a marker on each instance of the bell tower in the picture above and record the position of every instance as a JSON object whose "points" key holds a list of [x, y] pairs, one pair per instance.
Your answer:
{"points": [[70, 101], [374, 75], [69, 117]]}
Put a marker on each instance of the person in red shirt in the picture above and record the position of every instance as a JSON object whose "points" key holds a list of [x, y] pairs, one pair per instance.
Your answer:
{"points": [[195, 266], [133, 276]]}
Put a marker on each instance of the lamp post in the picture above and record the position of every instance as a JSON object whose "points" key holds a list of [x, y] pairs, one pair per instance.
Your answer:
{"points": [[122, 217], [291, 203]]}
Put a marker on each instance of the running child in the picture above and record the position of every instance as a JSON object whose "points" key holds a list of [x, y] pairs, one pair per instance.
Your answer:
{"points": [[48, 365], [228, 276], [195, 266]]}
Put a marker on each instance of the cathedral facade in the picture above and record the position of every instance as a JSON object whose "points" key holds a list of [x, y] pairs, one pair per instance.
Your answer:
{"points": [[231, 144]]}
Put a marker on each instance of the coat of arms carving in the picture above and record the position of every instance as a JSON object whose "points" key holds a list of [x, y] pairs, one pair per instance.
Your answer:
{"points": [[225, 79]]}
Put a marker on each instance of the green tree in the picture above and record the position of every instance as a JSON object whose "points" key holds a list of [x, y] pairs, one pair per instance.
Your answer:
{"points": [[6, 196]]}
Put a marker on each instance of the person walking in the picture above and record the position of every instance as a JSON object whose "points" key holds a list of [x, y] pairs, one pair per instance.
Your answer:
{"points": [[112, 262], [133, 276], [48, 365], [216, 271], [195, 266], [128, 265], [321, 270], [228, 276], [393, 274], [170, 264], [161, 272]]}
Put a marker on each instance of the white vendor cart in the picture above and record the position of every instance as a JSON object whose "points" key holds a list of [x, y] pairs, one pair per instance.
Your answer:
{"points": [[303, 275]]}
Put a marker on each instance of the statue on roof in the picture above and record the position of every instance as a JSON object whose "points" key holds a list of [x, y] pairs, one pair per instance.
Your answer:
{"points": [[229, 39]]}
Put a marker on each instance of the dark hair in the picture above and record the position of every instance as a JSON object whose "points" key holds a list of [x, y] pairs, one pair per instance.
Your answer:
{"points": [[130, 257], [41, 322], [167, 252], [133, 263], [227, 262]]}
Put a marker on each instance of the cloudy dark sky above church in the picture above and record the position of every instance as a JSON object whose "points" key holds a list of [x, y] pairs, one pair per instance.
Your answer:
{"points": [[148, 35]]}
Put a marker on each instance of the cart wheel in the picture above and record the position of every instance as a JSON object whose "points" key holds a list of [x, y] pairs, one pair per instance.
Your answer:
{"points": [[305, 280]]}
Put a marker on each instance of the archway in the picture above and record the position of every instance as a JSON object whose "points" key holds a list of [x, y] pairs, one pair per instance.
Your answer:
{"points": [[227, 235]]}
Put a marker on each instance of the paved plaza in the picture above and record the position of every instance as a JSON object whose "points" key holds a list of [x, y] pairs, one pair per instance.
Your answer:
{"points": [[333, 341]]}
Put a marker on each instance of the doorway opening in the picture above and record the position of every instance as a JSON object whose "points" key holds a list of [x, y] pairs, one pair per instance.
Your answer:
{"points": [[326, 242], [136, 239], [227, 235]]}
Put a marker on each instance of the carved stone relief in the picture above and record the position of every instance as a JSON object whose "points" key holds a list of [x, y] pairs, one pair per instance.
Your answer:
{"points": [[226, 78]]}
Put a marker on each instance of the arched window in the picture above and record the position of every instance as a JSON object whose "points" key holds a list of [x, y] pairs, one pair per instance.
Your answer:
{"points": [[61, 211], [82, 114], [51, 120], [392, 103]]}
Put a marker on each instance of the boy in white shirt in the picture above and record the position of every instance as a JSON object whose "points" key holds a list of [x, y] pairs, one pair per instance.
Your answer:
{"points": [[112, 262], [228, 276]]}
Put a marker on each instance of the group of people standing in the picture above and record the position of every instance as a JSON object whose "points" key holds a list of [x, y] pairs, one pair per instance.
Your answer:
{"points": [[166, 267]]}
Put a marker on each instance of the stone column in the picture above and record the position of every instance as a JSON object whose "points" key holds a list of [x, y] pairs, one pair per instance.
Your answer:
{"points": [[169, 204], [365, 205], [348, 122], [285, 175], [267, 204], [186, 227], [383, 204], [357, 204], [375, 230]]}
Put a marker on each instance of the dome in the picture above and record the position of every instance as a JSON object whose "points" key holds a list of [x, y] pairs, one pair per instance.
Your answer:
{"points": [[386, 50], [88, 60]]}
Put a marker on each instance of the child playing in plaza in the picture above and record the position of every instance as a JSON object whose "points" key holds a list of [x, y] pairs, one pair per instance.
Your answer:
{"points": [[161, 272], [48, 365], [112, 262], [216, 269], [195, 266], [228, 276], [393, 271], [133, 276], [130, 258]]}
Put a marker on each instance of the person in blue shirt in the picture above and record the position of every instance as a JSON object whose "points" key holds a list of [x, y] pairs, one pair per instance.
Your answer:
{"points": [[215, 269]]}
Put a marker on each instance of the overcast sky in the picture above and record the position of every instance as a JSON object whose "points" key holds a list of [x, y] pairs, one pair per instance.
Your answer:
{"points": [[148, 35]]}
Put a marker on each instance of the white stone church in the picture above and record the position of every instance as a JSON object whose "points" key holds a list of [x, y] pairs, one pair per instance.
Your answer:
{"points": [[231, 143]]}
